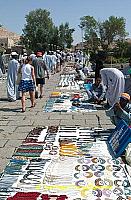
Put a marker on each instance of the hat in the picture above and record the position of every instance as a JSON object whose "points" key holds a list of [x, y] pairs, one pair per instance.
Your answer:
{"points": [[125, 96], [39, 54], [13, 53]]}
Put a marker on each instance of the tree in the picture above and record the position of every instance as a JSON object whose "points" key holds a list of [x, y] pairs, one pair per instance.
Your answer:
{"points": [[55, 37], [103, 34], [40, 33], [90, 27], [65, 36], [38, 29], [112, 29], [68, 35], [122, 47]]}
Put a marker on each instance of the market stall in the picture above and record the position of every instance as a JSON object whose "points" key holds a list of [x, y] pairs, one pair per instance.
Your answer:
{"points": [[58, 162]]}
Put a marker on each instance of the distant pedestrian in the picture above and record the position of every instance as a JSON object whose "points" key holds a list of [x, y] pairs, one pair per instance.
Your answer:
{"points": [[80, 76], [27, 83], [48, 60], [12, 87], [113, 79], [54, 62], [2, 66]]}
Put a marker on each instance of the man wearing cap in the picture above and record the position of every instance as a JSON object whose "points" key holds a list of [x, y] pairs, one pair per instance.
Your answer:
{"points": [[121, 110], [40, 68], [12, 88]]}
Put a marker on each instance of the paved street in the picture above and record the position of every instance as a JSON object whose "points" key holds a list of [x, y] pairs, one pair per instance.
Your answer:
{"points": [[14, 125]]}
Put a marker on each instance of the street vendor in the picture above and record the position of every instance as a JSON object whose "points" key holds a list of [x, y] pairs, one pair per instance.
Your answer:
{"points": [[97, 92], [121, 110], [114, 80], [80, 75]]}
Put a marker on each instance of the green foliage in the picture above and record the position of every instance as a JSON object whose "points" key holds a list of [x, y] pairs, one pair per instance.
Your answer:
{"points": [[113, 29], [38, 29], [103, 34], [65, 36], [90, 27], [40, 33]]}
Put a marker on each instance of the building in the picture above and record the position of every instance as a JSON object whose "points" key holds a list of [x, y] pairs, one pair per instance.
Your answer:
{"points": [[8, 39]]}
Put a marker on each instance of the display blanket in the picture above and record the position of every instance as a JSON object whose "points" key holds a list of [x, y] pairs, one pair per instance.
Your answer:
{"points": [[68, 102], [58, 162]]}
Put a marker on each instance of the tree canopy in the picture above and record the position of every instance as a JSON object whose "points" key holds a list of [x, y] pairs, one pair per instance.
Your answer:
{"points": [[40, 32], [104, 33]]}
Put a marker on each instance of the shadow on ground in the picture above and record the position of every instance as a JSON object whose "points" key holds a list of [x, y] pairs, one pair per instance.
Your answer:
{"points": [[4, 99], [10, 109]]}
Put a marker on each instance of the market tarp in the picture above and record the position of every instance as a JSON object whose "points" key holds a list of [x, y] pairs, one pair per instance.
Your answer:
{"points": [[64, 163]]}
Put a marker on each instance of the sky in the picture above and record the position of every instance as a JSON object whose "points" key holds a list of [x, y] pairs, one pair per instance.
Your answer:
{"points": [[13, 12]]}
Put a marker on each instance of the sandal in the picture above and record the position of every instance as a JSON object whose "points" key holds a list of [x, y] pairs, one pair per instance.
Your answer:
{"points": [[41, 96], [33, 105]]}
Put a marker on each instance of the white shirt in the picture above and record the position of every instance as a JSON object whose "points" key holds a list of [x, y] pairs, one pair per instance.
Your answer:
{"points": [[26, 72]]}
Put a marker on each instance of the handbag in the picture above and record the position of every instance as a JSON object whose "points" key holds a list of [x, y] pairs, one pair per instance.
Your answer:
{"points": [[19, 76]]}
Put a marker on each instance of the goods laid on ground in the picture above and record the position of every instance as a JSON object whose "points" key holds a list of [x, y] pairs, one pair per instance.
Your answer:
{"points": [[58, 162], [69, 102]]}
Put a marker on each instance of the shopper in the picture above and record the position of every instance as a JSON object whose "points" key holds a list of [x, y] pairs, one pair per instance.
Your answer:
{"points": [[27, 83], [40, 68]]}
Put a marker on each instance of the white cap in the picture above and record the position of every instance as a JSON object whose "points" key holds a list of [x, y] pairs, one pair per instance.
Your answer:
{"points": [[13, 53]]}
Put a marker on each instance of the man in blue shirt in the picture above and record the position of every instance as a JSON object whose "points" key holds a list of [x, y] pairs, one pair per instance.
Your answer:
{"points": [[121, 110], [97, 92]]}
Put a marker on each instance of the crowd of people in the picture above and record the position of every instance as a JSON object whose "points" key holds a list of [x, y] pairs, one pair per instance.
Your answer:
{"points": [[111, 85], [28, 74]]}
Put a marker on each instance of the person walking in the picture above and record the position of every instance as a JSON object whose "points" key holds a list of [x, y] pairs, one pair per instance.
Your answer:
{"points": [[27, 83], [12, 87], [2, 66], [39, 69]]}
